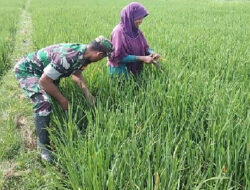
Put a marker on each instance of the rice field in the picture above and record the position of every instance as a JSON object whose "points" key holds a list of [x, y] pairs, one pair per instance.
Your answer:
{"points": [[9, 17], [183, 127]]}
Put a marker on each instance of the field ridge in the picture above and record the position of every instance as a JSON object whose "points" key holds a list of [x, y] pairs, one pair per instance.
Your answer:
{"points": [[16, 115]]}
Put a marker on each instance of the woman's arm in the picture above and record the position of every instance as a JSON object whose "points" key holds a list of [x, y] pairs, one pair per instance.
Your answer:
{"points": [[129, 59], [133, 58]]}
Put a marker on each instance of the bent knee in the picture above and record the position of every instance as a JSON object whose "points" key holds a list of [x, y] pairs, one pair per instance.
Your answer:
{"points": [[43, 108]]}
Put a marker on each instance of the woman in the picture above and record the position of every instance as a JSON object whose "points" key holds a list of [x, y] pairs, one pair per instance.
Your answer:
{"points": [[130, 47]]}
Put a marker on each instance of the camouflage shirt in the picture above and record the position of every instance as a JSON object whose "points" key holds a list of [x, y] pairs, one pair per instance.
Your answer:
{"points": [[56, 61]]}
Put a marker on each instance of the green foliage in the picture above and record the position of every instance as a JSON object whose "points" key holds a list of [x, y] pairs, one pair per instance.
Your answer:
{"points": [[9, 16], [186, 127]]}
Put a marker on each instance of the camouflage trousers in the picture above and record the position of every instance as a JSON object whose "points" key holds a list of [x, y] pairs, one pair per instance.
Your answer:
{"points": [[29, 82]]}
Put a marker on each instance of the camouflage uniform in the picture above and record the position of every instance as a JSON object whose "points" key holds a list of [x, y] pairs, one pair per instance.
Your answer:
{"points": [[56, 61]]}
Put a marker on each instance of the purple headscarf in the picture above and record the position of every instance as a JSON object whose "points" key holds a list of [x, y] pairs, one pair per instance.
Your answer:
{"points": [[127, 39]]}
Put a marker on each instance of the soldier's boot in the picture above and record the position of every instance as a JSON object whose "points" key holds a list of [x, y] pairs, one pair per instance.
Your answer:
{"points": [[43, 141]]}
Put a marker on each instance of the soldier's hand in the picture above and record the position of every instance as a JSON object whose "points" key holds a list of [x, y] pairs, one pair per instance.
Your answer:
{"points": [[64, 103], [91, 99]]}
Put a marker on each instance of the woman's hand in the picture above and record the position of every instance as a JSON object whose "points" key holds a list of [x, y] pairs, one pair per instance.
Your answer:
{"points": [[145, 59], [155, 56]]}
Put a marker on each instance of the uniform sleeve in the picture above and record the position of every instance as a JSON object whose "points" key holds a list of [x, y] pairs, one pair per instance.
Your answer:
{"points": [[51, 72], [58, 66]]}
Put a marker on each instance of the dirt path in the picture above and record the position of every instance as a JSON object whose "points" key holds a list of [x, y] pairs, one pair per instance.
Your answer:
{"points": [[15, 110], [23, 37], [9, 85]]}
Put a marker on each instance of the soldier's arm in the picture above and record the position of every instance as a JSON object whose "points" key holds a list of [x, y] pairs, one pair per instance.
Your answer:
{"points": [[49, 87], [79, 80]]}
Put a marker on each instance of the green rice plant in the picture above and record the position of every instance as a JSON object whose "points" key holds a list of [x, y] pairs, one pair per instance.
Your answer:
{"points": [[9, 17], [184, 128]]}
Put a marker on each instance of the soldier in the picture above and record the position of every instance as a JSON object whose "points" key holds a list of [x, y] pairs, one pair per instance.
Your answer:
{"points": [[39, 72]]}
